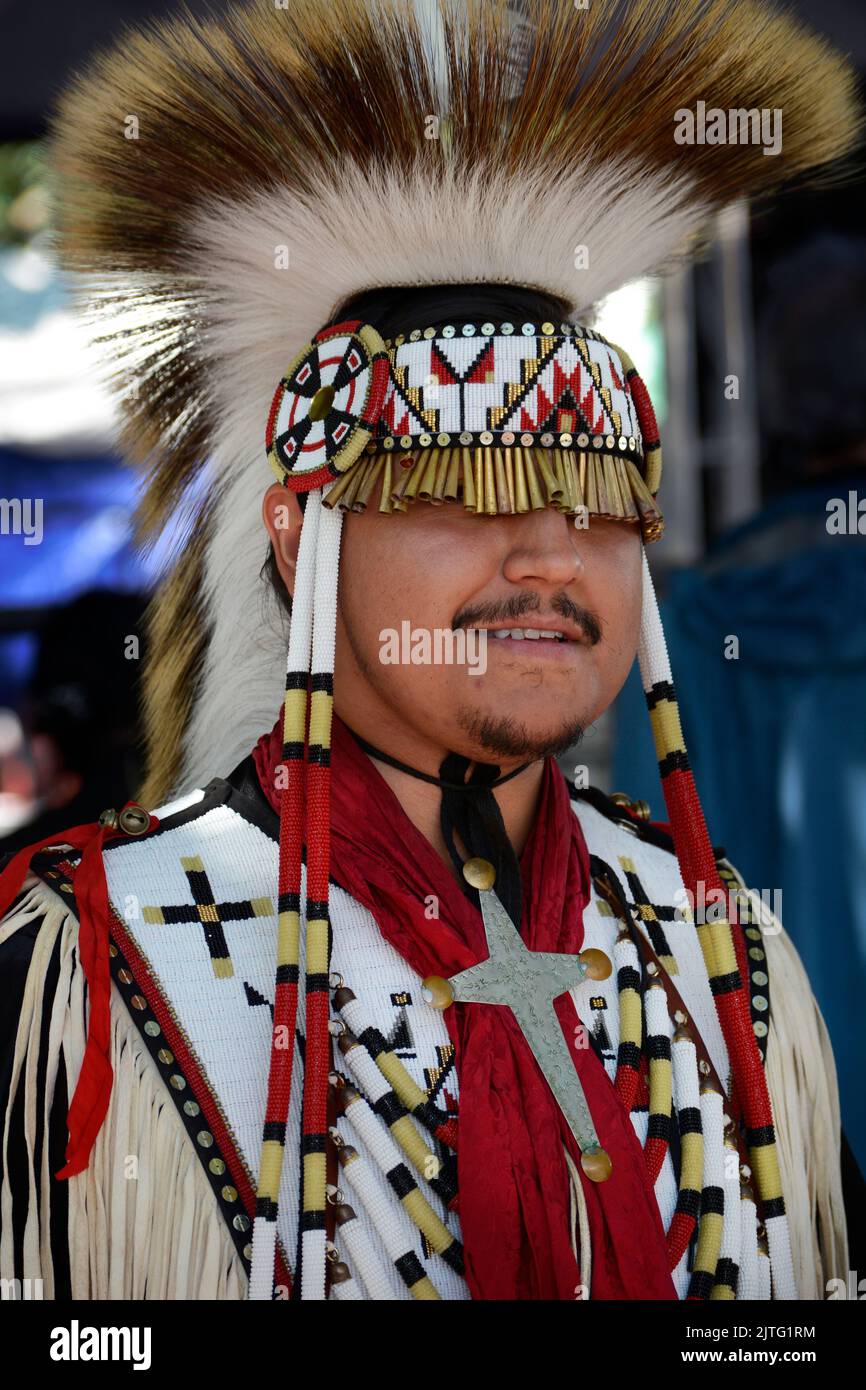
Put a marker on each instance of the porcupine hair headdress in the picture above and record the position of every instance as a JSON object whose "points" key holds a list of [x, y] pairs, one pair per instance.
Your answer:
{"points": [[226, 186]]}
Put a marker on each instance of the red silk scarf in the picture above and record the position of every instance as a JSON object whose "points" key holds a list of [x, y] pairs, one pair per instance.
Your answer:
{"points": [[512, 1173]]}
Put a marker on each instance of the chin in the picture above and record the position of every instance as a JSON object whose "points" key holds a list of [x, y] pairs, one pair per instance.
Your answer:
{"points": [[494, 735]]}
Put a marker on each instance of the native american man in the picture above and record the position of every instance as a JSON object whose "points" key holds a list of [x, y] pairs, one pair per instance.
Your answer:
{"points": [[370, 1002]]}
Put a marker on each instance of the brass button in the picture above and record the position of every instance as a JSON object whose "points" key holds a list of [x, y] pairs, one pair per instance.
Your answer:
{"points": [[480, 874], [596, 1164], [437, 992], [321, 402], [598, 966]]}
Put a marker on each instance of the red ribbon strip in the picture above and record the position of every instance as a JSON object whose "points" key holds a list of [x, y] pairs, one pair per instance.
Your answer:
{"points": [[89, 1103]]}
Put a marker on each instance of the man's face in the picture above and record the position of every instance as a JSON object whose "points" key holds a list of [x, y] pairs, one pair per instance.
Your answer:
{"points": [[441, 568]]}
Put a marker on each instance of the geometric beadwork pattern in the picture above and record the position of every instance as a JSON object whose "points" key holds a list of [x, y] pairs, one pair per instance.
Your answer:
{"points": [[652, 915], [209, 913], [469, 385], [325, 406]]}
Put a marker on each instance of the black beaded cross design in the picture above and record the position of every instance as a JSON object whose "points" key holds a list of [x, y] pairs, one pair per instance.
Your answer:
{"points": [[212, 915], [652, 915]]}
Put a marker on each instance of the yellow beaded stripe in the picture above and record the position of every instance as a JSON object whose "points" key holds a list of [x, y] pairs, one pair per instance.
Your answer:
{"points": [[709, 1245], [496, 481], [691, 1167], [660, 1083], [422, 1288], [402, 1129], [630, 1017]]}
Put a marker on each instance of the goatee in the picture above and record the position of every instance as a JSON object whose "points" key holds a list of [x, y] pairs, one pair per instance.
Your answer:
{"points": [[506, 737]]}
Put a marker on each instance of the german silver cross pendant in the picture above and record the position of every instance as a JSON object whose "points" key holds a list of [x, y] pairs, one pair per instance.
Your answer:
{"points": [[527, 982]]}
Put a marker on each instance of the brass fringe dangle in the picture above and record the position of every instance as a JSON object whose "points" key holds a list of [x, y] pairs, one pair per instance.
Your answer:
{"points": [[497, 481]]}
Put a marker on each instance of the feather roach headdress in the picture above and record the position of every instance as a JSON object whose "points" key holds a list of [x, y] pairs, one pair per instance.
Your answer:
{"points": [[227, 188]]}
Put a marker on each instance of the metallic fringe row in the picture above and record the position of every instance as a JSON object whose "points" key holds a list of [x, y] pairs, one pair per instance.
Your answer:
{"points": [[495, 481]]}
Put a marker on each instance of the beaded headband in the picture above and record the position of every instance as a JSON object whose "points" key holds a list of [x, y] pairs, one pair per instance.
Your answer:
{"points": [[505, 419]]}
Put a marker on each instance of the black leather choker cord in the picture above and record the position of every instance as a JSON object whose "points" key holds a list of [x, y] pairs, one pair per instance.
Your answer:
{"points": [[476, 818]]}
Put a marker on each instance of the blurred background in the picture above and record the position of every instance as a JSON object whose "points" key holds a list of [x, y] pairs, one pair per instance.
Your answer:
{"points": [[756, 362]]}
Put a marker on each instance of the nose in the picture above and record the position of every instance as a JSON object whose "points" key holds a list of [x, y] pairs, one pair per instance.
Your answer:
{"points": [[543, 550]]}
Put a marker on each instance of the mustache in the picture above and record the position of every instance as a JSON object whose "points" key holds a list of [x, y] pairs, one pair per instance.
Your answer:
{"points": [[519, 605]]}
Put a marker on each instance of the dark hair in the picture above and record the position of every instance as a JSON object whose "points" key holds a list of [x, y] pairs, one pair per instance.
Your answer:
{"points": [[270, 573], [393, 309]]}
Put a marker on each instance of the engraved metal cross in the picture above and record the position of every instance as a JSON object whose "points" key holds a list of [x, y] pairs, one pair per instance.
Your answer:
{"points": [[527, 982]]}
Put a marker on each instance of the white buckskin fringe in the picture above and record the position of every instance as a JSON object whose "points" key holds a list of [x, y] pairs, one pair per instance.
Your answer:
{"points": [[801, 1075], [156, 1235], [579, 1219]]}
